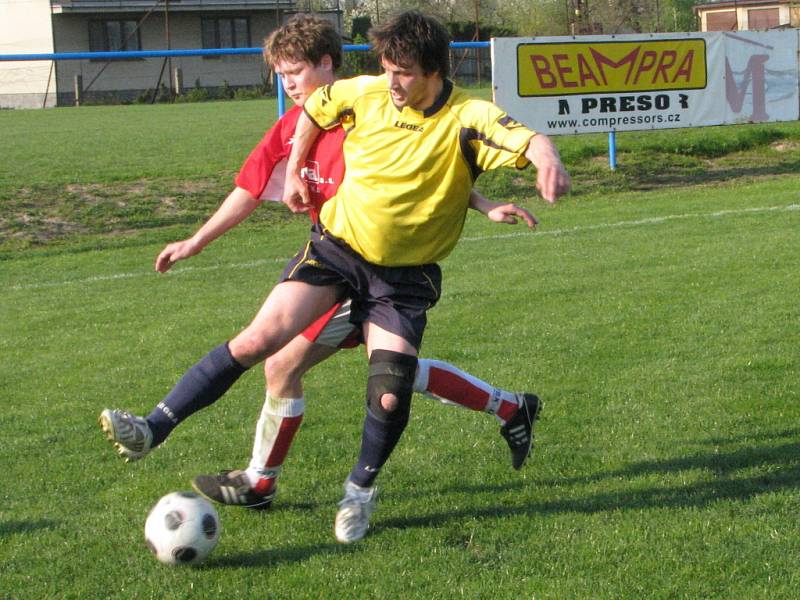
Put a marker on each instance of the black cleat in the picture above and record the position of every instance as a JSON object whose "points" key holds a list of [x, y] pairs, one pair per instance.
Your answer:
{"points": [[232, 488], [518, 432]]}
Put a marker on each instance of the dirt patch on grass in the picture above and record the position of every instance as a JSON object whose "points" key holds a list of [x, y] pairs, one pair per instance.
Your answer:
{"points": [[785, 146], [35, 215]]}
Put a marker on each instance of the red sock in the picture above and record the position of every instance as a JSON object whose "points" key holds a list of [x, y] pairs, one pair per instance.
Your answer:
{"points": [[453, 385]]}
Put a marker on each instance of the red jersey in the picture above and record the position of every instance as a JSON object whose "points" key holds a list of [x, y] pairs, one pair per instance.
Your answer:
{"points": [[263, 173]]}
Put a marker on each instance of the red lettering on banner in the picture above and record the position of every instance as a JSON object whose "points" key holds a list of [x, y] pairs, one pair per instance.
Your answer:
{"points": [[667, 59], [585, 71], [685, 68], [563, 70], [541, 66], [647, 63], [601, 60], [589, 66]]}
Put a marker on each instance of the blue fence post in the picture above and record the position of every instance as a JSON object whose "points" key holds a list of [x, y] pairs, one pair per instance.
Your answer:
{"points": [[281, 96], [612, 150]]}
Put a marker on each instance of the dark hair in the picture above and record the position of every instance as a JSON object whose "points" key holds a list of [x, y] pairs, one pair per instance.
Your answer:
{"points": [[410, 38], [304, 38]]}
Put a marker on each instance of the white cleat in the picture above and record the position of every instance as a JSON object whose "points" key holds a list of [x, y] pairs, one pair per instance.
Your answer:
{"points": [[352, 520], [130, 434]]}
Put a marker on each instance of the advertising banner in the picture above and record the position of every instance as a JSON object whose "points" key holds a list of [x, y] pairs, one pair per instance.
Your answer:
{"points": [[560, 85]]}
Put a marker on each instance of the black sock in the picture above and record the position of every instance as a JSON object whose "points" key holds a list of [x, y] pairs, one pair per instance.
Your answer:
{"points": [[377, 442], [199, 387]]}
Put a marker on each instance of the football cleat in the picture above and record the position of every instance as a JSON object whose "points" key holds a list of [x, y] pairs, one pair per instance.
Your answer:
{"points": [[518, 431], [352, 520], [232, 488], [129, 434]]}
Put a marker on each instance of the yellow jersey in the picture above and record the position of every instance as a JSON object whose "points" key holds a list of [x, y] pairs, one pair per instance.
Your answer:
{"points": [[408, 174]]}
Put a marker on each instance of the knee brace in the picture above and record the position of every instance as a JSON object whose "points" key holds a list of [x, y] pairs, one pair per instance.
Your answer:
{"points": [[391, 373]]}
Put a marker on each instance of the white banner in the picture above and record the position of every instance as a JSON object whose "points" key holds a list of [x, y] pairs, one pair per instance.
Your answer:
{"points": [[561, 85]]}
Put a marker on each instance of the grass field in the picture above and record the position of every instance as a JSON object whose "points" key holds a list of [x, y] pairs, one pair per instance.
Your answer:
{"points": [[655, 311]]}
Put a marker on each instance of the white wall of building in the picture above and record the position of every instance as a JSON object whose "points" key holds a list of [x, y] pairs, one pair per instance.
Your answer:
{"points": [[25, 29]]}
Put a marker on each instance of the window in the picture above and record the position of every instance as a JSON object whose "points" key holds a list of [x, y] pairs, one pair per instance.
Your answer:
{"points": [[724, 20], [112, 35], [762, 18], [226, 32]]}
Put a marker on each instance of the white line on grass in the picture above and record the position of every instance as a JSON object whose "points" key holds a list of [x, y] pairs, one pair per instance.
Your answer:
{"points": [[130, 275], [268, 261], [648, 221]]}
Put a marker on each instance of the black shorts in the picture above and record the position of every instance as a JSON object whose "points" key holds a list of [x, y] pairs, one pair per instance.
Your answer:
{"points": [[393, 298]]}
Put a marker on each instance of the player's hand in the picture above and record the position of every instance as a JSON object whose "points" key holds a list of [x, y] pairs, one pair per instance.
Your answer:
{"points": [[295, 194], [552, 180], [174, 252], [509, 213]]}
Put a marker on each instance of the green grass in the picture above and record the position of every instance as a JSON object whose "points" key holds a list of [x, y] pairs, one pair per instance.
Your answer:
{"points": [[658, 322], [101, 176]]}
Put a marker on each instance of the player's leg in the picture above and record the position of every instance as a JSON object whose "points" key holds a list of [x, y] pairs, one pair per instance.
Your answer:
{"points": [[516, 412], [283, 411], [280, 419], [450, 385], [289, 308], [392, 366], [393, 310]]}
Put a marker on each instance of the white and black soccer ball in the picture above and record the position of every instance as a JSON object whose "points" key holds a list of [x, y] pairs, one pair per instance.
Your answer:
{"points": [[182, 529]]}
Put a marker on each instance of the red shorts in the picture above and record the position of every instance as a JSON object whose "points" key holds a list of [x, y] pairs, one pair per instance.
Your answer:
{"points": [[334, 328]]}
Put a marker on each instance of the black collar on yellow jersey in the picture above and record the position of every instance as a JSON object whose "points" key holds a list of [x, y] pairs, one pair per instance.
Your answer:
{"points": [[444, 96], [441, 99]]}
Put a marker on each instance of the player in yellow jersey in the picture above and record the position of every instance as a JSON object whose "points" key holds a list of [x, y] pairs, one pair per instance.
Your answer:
{"points": [[415, 145], [388, 301], [305, 51]]}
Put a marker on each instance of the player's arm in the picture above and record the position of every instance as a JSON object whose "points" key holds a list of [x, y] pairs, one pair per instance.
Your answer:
{"points": [[499, 212], [295, 191], [552, 179], [234, 209]]}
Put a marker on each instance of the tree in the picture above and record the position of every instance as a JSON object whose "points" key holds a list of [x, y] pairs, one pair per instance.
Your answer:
{"points": [[534, 17]]}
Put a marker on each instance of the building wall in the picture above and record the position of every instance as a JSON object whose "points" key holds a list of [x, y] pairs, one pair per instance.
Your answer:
{"points": [[742, 14], [25, 29], [128, 78]]}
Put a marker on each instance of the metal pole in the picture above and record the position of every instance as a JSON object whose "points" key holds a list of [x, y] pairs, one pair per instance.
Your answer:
{"points": [[47, 89], [477, 38], [77, 86], [169, 47], [281, 98], [612, 150]]}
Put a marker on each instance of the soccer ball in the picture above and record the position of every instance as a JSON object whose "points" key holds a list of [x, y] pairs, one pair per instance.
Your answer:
{"points": [[182, 529]]}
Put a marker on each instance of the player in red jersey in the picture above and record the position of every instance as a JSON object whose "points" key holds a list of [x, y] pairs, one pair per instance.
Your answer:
{"points": [[306, 53]]}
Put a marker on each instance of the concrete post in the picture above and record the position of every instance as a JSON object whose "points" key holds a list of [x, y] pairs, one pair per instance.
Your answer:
{"points": [[177, 81], [78, 87]]}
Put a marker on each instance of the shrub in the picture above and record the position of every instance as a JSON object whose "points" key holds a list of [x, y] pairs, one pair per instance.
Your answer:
{"points": [[195, 95]]}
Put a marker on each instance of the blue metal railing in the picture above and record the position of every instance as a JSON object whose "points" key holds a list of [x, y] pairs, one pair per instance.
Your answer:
{"points": [[129, 54]]}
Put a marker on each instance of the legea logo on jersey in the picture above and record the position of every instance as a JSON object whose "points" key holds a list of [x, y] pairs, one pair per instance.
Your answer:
{"points": [[409, 126]]}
